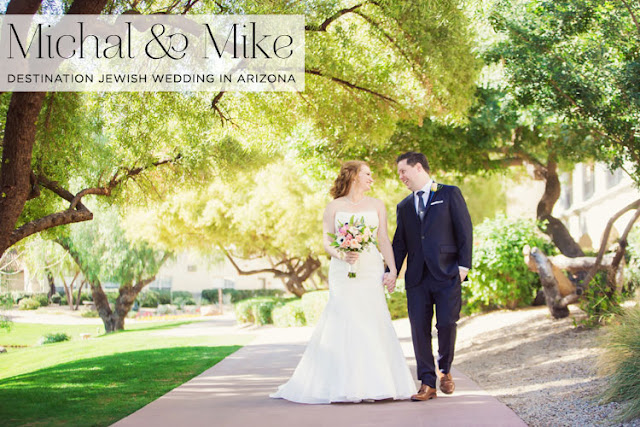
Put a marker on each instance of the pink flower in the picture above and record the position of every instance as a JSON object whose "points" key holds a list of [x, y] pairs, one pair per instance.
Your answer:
{"points": [[354, 244], [344, 244]]}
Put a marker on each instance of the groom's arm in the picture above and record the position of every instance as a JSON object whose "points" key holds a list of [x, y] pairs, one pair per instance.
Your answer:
{"points": [[399, 244], [462, 228]]}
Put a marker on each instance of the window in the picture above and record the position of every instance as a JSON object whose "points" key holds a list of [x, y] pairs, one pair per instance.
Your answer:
{"points": [[162, 284], [588, 181], [614, 178], [566, 191]]}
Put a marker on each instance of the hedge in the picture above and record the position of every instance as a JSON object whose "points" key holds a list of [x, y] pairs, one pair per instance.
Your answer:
{"points": [[288, 315]]}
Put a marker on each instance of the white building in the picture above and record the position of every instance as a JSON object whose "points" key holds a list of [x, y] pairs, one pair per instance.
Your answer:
{"points": [[590, 196]]}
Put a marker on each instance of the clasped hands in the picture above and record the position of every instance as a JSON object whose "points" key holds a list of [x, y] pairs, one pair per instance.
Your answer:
{"points": [[389, 280]]}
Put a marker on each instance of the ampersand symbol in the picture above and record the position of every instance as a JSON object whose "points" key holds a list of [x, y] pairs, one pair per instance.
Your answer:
{"points": [[167, 49]]}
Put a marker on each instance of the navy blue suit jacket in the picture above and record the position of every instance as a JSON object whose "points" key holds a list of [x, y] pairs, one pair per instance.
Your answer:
{"points": [[443, 241]]}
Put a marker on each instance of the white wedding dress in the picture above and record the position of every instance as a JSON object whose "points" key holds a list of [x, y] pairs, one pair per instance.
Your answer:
{"points": [[354, 353]]}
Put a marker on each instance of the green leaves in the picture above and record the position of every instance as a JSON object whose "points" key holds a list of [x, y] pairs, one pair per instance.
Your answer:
{"points": [[577, 59], [500, 277]]}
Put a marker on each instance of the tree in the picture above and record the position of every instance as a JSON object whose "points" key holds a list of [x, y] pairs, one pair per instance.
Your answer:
{"points": [[103, 253], [274, 213], [368, 65], [580, 60]]}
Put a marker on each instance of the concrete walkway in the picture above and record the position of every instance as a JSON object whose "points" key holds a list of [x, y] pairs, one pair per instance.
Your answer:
{"points": [[235, 393]]}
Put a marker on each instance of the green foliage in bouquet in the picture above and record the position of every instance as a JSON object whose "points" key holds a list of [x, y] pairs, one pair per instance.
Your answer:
{"points": [[499, 277]]}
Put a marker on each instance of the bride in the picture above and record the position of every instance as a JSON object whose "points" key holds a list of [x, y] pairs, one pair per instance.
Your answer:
{"points": [[354, 353]]}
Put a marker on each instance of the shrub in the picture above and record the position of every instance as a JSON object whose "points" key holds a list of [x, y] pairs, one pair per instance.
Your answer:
{"points": [[236, 295], [257, 310], [55, 299], [6, 301], [313, 304], [63, 298], [17, 296], [288, 315], [28, 304], [51, 338], [500, 278], [148, 299], [600, 303], [182, 298], [619, 362], [244, 312], [43, 299], [262, 311], [85, 297], [90, 313], [166, 309]]}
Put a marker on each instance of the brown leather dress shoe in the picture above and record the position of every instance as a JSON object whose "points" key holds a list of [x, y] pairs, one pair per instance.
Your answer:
{"points": [[446, 383], [425, 393]]}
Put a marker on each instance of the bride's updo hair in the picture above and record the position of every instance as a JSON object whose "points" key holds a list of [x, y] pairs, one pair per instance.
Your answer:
{"points": [[348, 172]]}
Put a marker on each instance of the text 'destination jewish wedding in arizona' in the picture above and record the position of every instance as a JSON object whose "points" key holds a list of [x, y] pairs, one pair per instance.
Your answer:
{"points": [[316, 213]]}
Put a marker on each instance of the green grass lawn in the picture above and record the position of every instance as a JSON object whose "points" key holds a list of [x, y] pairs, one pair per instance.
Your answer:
{"points": [[99, 381]]}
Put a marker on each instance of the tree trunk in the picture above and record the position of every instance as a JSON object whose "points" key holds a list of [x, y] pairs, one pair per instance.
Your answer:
{"points": [[80, 293], [554, 300], [15, 171], [52, 285], [20, 133], [101, 302], [555, 228]]}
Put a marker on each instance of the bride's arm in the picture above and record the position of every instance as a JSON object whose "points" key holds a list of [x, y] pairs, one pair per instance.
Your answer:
{"points": [[329, 227], [383, 240]]}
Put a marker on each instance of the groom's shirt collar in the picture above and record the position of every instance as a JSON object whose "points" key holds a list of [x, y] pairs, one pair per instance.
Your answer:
{"points": [[425, 196]]}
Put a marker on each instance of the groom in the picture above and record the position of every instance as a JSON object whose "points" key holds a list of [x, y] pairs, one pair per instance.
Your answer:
{"points": [[434, 230]]}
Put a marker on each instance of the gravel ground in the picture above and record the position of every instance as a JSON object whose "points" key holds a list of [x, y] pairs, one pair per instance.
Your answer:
{"points": [[543, 369]]}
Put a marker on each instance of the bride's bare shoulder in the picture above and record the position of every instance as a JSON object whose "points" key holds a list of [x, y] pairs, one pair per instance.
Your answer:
{"points": [[377, 203], [333, 206]]}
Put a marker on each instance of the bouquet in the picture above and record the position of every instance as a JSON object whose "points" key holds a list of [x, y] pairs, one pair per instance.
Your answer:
{"points": [[353, 236]]}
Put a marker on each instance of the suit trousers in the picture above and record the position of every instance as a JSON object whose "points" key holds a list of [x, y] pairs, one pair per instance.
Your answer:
{"points": [[421, 299]]}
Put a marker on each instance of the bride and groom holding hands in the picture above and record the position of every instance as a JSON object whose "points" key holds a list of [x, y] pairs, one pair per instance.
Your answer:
{"points": [[354, 353]]}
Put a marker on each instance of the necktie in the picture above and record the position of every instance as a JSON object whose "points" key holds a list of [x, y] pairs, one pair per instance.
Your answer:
{"points": [[421, 207]]}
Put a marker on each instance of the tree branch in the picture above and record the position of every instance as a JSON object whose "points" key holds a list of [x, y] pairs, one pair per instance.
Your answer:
{"points": [[332, 18], [77, 212], [350, 85], [277, 273], [633, 16], [605, 238]]}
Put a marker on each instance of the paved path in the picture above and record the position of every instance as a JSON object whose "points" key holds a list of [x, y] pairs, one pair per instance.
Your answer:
{"points": [[235, 393]]}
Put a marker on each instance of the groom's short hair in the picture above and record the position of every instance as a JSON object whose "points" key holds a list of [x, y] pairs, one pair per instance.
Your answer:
{"points": [[412, 158]]}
